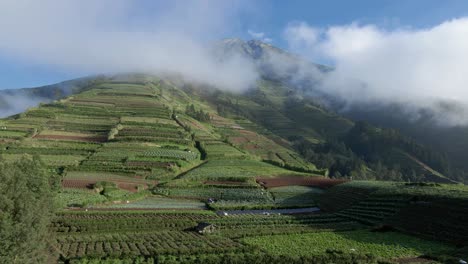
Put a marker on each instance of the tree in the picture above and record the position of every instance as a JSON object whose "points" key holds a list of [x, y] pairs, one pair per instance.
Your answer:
{"points": [[26, 206]]}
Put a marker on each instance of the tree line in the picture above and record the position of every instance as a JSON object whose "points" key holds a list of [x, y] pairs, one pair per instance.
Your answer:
{"points": [[26, 208]]}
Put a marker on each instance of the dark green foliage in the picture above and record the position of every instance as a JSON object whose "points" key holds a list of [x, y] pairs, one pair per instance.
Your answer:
{"points": [[200, 115], [25, 211], [373, 143], [368, 152]]}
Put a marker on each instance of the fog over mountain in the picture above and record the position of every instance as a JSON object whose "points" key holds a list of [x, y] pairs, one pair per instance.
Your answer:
{"points": [[418, 69], [92, 37], [422, 70]]}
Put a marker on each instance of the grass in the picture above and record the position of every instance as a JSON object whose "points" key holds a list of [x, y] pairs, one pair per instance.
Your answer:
{"points": [[50, 160], [76, 197], [160, 203], [296, 195], [219, 170], [384, 245]]}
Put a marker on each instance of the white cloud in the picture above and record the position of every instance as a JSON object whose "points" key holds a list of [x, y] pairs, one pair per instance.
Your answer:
{"points": [[260, 36], [300, 35], [416, 67], [257, 35], [100, 37]]}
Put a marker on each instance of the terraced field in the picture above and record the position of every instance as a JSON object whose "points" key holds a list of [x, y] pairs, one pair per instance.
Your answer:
{"points": [[141, 181]]}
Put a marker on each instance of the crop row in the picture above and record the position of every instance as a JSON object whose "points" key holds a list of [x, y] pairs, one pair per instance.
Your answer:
{"points": [[147, 244], [236, 194], [48, 151], [161, 140], [121, 225], [172, 153]]}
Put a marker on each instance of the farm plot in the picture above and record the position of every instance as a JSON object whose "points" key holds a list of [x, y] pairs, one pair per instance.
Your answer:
{"points": [[303, 196], [82, 180], [375, 209], [265, 148], [382, 245], [141, 158], [72, 136], [12, 134], [233, 170], [345, 195], [68, 197], [313, 181], [155, 243], [159, 203], [135, 120], [221, 150], [248, 225], [228, 194], [50, 160], [187, 155], [157, 133]]}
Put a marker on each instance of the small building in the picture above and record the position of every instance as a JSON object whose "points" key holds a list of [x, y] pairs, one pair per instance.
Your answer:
{"points": [[205, 228]]}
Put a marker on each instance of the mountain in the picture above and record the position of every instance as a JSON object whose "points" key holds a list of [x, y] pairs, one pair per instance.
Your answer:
{"points": [[272, 122], [14, 101], [272, 62], [285, 107], [426, 128], [144, 168]]}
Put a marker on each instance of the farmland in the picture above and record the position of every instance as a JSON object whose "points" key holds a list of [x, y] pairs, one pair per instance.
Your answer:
{"points": [[386, 245], [138, 178]]}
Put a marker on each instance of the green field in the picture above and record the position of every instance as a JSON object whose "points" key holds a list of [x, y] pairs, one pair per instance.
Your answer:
{"points": [[383, 245]]}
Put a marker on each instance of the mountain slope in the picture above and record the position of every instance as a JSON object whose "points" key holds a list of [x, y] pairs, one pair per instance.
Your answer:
{"points": [[122, 137], [280, 120]]}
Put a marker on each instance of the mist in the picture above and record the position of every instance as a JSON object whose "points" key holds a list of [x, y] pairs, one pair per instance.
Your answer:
{"points": [[16, 102], [414, 68], [94, 37]]}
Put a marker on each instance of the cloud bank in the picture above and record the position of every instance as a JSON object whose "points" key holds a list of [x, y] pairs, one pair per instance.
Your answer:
{"points": [[109, 36], [418, 68]]}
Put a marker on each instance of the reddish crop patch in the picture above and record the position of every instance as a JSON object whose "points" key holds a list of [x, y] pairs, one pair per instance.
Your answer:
{"points": [[130, 186], [247, 132], [74, 138], [319, 182], [78, 184], [238, 140], [251, 146]]}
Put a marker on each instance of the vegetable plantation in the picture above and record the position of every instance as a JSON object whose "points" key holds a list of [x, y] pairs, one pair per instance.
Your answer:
{"points": [[139, 179]]}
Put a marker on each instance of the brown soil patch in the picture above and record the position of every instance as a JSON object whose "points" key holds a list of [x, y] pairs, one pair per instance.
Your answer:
{"points": [[251, 147], [238, 140], [131, 187], [78, 184], [88, 184], [319, 182], [247, 132]]}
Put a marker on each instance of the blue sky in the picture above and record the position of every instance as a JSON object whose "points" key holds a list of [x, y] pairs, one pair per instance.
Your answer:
{"points": [[269, 18]]}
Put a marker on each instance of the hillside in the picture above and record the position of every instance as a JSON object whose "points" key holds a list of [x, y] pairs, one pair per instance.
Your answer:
{"points": [[147, 167], [272, 122], [133, 135]]}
